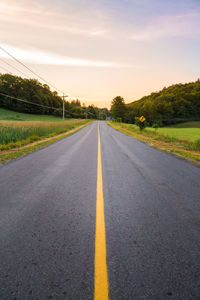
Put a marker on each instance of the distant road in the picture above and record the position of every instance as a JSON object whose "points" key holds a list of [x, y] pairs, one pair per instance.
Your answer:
{"points": [[48, 216]]}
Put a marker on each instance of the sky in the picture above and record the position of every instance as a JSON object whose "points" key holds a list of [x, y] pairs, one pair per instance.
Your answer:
{"points": [[97, 50]]}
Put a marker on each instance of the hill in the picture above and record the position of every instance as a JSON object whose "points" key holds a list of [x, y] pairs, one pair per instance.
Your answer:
{"points": [[9, 115], [30, 96], [177, 103]]}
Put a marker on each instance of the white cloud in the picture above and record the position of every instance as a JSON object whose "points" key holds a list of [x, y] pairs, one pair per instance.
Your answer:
{"points": [[38, 57], [40, 16]]}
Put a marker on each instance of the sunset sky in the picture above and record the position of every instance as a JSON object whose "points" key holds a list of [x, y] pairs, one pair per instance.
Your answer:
{"points": [[96, 50]]}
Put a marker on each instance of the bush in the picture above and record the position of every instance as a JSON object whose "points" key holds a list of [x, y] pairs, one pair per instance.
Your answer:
{"points": [[141, 122]]}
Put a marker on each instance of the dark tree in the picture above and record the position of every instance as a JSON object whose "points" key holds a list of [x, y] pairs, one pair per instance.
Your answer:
{"points": [[118, 108]]}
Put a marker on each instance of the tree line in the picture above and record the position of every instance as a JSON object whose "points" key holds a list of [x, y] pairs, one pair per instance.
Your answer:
{"points": [[177, 103], [42, 99]]}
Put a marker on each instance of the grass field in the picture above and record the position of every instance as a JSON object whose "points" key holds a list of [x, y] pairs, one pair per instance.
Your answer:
{"points": [[187, 134], [18, 130], [10, 115], [189, 131], [19, 133]]}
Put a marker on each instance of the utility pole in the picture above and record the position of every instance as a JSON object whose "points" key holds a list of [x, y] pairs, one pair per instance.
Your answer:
{"points": [[64, 107]]}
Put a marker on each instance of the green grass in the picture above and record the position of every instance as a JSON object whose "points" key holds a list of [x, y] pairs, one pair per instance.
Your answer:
{"points": [[10, 115], [187, 134]]}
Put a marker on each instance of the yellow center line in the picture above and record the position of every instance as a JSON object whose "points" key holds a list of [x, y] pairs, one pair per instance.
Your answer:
{"points": [[100, 266]]}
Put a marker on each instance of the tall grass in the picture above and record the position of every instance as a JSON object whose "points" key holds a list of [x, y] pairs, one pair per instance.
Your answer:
{"points": [[14, 134]]}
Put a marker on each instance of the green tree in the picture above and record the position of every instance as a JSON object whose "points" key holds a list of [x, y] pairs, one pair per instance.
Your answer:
{"points": [[91, 112], [118, 108], [176, 103], [103, 113]]}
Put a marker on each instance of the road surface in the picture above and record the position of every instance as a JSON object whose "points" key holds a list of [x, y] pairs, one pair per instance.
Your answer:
{"points": [[48, 235]]}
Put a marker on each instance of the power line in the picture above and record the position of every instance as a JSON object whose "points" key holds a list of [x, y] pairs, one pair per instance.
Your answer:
{"points": [[26, 101], [24, 65], [17, 60], [5, 62], [22, 100]]}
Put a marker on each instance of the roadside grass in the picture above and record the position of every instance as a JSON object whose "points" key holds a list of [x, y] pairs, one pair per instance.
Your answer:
{"points": [[10, 115], [19, 138], [184, 142]]}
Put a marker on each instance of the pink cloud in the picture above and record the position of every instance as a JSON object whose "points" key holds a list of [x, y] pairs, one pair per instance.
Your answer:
{"points": [[186, 25]]}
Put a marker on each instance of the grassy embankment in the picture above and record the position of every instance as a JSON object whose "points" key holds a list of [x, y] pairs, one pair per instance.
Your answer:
{"points": [[182, 140], [31, 132], [9, 115]]}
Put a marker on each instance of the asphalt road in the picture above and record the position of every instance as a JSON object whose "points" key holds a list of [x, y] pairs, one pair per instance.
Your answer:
{"points": [[48, 214]]}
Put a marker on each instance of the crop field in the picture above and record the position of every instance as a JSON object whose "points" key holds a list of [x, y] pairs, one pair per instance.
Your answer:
{"points": [[19, 129], [18, 133]]}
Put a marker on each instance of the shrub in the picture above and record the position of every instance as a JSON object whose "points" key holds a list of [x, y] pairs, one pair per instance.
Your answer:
{"points": [[141, 122]]}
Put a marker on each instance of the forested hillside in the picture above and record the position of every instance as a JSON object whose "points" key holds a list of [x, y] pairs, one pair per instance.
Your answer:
{"points": [[171, 105], [39, 99]]}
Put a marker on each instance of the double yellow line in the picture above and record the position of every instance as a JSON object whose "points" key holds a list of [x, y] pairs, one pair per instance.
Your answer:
{"points": [[100, 271]]}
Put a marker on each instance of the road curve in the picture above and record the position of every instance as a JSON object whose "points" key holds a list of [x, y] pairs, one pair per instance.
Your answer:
{"points": [[48, 216]]}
